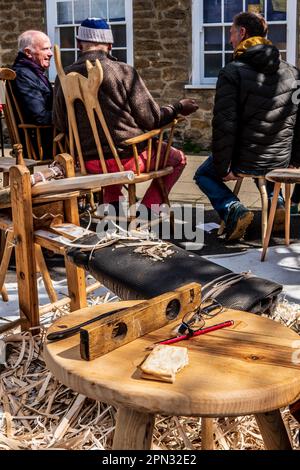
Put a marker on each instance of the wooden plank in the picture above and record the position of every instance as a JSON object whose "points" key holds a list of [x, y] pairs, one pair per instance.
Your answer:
{"points": [[70, 231], [25, 252], [81, 183], [51, 241], [121, 328]]}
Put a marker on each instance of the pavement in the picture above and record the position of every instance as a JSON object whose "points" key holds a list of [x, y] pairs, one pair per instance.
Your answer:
{"points": [[186, 191]]}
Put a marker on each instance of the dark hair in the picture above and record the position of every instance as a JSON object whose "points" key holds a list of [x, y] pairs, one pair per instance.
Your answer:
{"points": [[254, 24]]}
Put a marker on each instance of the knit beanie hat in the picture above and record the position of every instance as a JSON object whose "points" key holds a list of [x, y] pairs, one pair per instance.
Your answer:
{"points": [[95, 30]]}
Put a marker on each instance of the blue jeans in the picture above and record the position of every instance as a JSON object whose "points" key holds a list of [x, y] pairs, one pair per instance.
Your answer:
{"points": [[220, 196]]}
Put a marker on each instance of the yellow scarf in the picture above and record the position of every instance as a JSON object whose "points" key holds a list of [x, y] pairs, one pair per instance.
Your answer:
{"points": [[250, 42]]}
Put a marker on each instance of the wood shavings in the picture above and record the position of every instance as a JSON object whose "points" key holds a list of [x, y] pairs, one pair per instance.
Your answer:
{"points": [[37, 412], [157, 252]]}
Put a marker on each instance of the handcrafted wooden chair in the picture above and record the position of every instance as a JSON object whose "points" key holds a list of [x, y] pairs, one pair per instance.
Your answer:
{"points": [[46, 216], [77, 87], [21, 132], [286, 176], [261, 184]]}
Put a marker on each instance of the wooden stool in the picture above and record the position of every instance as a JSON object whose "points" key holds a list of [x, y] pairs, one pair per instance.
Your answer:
{"points": [[242, 370], [287, 177], [263, 196]]}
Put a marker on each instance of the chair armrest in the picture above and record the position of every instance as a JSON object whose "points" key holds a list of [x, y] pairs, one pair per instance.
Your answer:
{"points": [[149, 135], [59, 137], [33, 126]]}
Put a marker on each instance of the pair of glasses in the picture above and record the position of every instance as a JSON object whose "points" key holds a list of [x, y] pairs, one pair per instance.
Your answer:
{"points": [[195, 320]]}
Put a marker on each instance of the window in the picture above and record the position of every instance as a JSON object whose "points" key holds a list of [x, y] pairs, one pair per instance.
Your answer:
{"points": [[212, 20], [64, 17]]}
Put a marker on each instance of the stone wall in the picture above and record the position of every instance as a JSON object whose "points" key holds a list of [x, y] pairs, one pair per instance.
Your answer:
{"points": [[163, 56], [15, 17]]}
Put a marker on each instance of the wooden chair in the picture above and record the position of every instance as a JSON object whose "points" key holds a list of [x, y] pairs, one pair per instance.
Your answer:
{"points": [[286, 176], [77, 87], [28, 230], [261, 180], [21, 132]]}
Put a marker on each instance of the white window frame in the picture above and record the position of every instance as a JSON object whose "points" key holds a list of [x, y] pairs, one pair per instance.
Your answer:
{"points": [[52, 30], [198, 80]]}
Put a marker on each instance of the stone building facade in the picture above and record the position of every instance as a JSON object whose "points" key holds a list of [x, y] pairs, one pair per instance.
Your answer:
{"points": [[162, 44]]}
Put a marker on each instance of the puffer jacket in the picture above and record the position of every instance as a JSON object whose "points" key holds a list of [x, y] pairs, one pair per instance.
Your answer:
{"points": [[256, 123]]}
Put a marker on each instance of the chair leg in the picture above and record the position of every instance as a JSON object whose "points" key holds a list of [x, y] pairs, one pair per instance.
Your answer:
{"points": [[287, 213], [41, 265], [266, 240], [264, 206], [207, 434], [132, 205], [8, 247], [236, 191]]}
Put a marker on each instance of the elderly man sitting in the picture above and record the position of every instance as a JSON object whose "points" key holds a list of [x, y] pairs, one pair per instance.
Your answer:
{"points": [[31, 87]]}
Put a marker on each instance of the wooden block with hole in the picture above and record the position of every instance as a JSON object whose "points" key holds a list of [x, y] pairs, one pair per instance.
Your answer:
{"points": [[121, 328]]}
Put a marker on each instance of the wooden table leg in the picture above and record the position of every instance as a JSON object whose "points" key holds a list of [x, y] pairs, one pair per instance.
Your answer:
{"points": [[133, 430], [207, 434], [273, 431]]}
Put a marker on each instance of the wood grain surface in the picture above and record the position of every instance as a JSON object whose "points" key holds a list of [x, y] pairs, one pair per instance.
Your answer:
{"points": [[245, 369]]}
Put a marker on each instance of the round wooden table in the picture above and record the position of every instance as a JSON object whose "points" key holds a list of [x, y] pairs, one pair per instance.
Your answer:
{"points": [[249, 368]]}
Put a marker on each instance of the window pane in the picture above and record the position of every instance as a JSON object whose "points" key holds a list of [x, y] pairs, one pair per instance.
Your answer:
{"points": [[255, 6], [67, 38], [276, 10], [119, 33], [231, 8], [116, 10], [277, 34], [99, 9], [81, 10], [212, 11], [228, 46], [120, 54], [212, 65], [213, 39], [64, 13], [67, 58]]}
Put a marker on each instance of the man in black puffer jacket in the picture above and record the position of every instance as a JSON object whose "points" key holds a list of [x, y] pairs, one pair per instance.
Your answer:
{"points": [[256, 125]]}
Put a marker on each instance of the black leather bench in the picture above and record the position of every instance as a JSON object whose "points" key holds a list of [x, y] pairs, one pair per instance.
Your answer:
{"points": [[131, 275]]}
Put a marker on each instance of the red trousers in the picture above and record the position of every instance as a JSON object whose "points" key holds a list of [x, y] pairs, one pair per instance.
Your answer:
{"points": [[176, 159]]}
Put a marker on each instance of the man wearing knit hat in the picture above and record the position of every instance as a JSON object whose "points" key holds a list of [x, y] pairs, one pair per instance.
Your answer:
{"points": [[128, 107]]}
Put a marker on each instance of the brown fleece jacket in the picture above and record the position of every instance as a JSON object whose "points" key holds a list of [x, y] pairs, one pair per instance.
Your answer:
{"points": [[127, 105]]}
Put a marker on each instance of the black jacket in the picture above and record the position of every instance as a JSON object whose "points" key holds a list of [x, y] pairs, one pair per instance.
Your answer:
{"points": [[33, 95], [255, 117]]}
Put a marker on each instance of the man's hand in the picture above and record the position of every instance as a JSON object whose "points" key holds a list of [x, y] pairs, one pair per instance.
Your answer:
{"points": [[230, 177], [188, 106]]}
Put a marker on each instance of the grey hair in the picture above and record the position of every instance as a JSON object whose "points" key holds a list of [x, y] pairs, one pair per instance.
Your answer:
{"points": [[28, 39]]}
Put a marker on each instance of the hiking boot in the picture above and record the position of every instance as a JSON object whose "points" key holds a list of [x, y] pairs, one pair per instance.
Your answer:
{"points": [[238, 220]]}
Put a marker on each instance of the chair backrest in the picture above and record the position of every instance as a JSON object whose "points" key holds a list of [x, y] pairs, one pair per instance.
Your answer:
{"points": [[15, 120], [85, 89], [6, 76]]}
